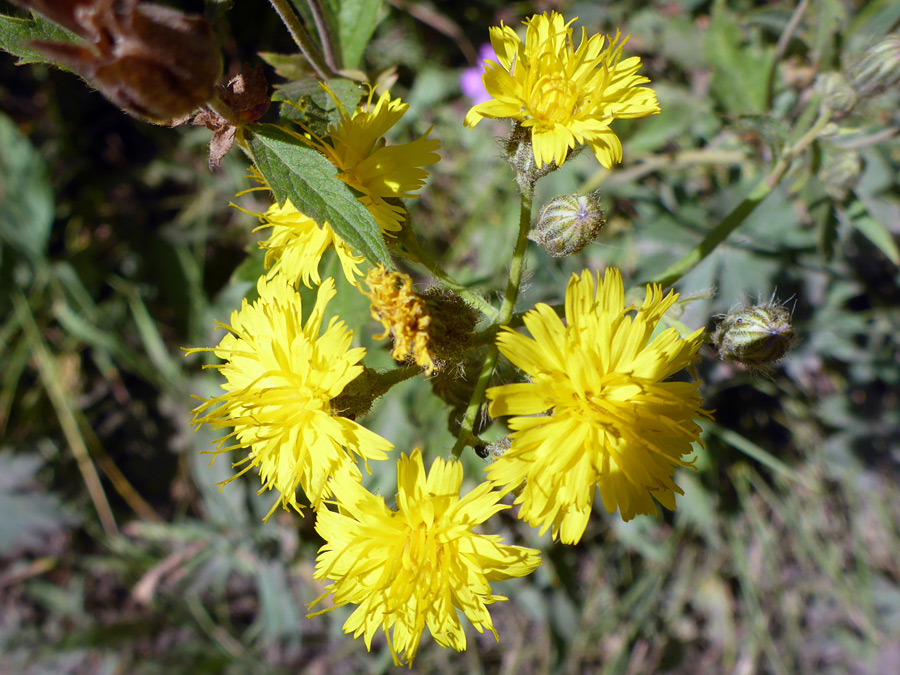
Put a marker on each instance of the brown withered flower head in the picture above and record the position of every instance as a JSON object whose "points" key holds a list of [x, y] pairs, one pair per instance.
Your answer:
{"points": [[247, 96], [152, 61]]}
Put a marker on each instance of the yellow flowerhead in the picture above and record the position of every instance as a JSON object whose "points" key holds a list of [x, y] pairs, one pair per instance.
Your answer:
{"points": [[598, 409], [401, 312], [567, 97], [296, 245], [355, 145], [280, 379], [418, 565]]}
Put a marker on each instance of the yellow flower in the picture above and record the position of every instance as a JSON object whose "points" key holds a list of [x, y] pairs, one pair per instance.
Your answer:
{"points": [[380, 172], [281, 377], [296, 245], [418, 565], [598, 409], [401, 312], [567, 97]]}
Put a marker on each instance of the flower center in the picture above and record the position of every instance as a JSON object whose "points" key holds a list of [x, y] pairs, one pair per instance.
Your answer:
{"points": [[553, 99]]}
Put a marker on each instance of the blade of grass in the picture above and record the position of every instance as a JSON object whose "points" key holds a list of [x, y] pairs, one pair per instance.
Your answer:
{"points": [[755, 452], [48, 370]]}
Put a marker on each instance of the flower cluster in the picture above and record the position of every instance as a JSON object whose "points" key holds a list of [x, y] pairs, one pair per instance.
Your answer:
{"points": [[599, 411]]}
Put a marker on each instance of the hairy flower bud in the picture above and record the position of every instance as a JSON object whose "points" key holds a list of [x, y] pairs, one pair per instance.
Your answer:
{"points": [[150, 60], [836, 92], [840, 173], [567, 224], [756, 336], [877, 69]]}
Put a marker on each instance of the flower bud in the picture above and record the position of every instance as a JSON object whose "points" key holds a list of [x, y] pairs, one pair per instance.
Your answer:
{"points": [[877, 69], [150, 60], [567, 224], [836, 92], [755, 336], [840, 173]]}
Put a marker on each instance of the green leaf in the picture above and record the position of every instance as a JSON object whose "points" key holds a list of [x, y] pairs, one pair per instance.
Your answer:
{"points": [[17, 34], [740, 71], [26, 198], [358, 19], [872, 230], [31, 515], [313, 106], [299, 173]]}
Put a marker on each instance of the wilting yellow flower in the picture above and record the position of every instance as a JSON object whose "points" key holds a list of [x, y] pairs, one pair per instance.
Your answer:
{"points": [[355, 145], [598, 409], [402, 313], [280, 379], [296, 245], [567, 97], [418, 565]]}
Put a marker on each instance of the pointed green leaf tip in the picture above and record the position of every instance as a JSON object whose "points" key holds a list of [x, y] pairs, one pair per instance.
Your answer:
{"points": [[299, 173]]}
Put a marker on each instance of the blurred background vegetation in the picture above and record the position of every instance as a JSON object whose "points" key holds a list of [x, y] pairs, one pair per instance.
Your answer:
{"points": [[119, 248]]}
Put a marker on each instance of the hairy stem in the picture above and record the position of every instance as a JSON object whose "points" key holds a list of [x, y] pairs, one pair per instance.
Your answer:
{"points": [[513, 284], [734, 219], [302, 38], [423, 258], [325, 35]]}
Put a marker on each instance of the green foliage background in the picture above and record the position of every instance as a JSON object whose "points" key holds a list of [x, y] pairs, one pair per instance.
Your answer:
{"points": [[118, 248]]}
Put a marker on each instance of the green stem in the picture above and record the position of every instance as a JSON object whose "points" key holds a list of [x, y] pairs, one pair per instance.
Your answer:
{"points": [[420, 256], [734, 219], [781, 48], [325, 35], [513, 284], [302, 38]]}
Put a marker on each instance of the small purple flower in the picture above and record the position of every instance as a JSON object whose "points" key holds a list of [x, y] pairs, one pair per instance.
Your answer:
{"points": [[470, 81]]}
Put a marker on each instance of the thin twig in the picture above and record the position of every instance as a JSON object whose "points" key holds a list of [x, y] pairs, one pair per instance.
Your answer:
{"points": [[441, 24], [781, 47]]}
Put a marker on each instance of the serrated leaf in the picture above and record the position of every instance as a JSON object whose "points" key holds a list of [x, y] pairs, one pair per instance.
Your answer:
{"points": [[26, 198], [358, 20], [299, 173], [16, 35], [311, 104]]}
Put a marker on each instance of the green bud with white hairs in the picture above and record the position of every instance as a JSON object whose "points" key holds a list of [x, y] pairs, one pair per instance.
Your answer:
{"points": [[755, 337], [569, 223], [877, 69]]}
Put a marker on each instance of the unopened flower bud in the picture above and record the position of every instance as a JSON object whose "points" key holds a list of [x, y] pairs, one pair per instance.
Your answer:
{"points": [[836, 92], [150, 60], [756, 336], [877, 69], [567, 224], [840, 173]]}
